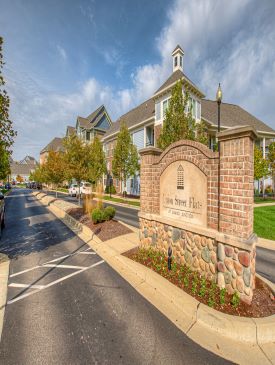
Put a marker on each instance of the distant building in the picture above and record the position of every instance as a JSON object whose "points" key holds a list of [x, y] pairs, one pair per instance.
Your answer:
{"points": [[23, 168], [55, 145], [95, 124]]}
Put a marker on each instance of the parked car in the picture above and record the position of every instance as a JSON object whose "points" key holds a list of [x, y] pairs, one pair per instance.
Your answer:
{"points": [[2, 212], [38, 186], [85, 188], [73, 189], [8, 186]]}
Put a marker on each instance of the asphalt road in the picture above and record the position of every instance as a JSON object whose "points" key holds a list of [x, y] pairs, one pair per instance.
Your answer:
{"points": [[265, 262], [125, 214], [67, 306]]}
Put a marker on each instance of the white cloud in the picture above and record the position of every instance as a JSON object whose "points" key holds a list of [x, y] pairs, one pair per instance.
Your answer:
{"points": [[62, 53], [223, 42]]}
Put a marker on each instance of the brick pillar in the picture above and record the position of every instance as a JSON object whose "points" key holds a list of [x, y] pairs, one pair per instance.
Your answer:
{"points": [[149, 180], [237, 181]]}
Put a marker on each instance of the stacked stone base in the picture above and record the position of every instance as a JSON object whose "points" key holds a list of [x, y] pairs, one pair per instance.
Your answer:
{"points": [[229, 266]]}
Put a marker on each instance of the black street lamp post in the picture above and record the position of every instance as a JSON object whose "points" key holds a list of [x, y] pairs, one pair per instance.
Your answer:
{"points": [[219, 101]]}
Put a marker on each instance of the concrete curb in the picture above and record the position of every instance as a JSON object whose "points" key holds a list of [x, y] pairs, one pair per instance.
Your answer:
{"points": [[4, 276], [239, 339], [264, 243]]}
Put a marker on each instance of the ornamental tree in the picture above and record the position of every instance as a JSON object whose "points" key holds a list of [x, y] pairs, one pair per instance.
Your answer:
{"points": [[97, 165], [126, 161], [260, 164], [54, 168], [76, 159], [7, 132], [179, 124], [271, 161]]}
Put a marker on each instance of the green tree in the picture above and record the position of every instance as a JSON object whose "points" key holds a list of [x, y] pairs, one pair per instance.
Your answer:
{"points": [[97, 163], [4, 163], [54, 168], [271, 161], [179, 124], [76, 159], [126, 161], [260, 165], [7, 132]]}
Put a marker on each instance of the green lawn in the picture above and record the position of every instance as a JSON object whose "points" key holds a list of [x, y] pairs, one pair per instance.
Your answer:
{"points": [[259, 200], [120, 200], [264, 222]]}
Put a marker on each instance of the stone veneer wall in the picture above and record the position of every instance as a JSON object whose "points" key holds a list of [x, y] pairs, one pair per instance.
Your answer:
{"points": [[231, 267]]}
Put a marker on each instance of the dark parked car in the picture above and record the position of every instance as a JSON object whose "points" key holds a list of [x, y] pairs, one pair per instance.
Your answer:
{"points": [[8, 186], [2, 212]]}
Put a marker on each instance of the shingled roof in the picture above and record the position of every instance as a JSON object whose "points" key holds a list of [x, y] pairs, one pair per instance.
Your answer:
{"points": [[231, 116], [177, 75], [91, 120], [70, 130], [142, 112], [21, 169], [55, 145]]}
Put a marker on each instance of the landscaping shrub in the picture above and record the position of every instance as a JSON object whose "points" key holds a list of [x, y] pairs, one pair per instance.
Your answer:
{"points": [[113, 190], [97, 215], [109, 213]]}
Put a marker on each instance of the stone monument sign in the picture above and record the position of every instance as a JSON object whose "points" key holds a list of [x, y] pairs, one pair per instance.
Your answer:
{"points": [[200, 203]]}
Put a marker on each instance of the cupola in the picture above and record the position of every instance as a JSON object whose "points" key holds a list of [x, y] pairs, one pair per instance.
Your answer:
{"points": [[177, 55]]}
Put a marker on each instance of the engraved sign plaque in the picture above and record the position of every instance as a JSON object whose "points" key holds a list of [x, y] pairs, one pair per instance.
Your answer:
{"points": [[183, 193]]}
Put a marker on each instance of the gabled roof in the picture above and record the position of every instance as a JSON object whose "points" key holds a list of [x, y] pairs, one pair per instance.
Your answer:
{"points": [[22, 169], [176, 76], [83, 122], [94, 114], [70, 130], [231, 116], [141, 113], [91, 120], [29, 160], [55, 145], [178, 48]]}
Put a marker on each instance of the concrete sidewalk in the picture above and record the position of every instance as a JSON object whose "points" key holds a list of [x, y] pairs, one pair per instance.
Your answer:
{"points": [[241, 340], [4, 275]]}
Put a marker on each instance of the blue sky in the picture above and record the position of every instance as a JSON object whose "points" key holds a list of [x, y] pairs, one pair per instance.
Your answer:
{"points": [[65, 58]]}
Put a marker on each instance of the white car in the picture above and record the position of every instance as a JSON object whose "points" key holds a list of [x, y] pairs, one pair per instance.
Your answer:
{"points": [[85, 188], [73, 190]]}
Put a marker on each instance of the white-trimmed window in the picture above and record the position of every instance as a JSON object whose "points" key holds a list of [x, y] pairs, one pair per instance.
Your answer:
{"points": [[165, 105]]}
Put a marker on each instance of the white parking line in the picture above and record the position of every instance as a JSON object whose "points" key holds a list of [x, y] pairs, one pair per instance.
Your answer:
{"points": [[29, 286], [22, 272], [54, 282], [87, 253], [54, 260], [65, 266]]}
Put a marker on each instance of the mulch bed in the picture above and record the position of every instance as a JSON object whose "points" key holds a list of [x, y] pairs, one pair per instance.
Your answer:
{"points": [[262, 304], [105, 230]]}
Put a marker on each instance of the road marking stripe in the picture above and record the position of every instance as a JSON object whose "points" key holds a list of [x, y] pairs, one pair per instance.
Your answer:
{"points": [[65, 266], [30, 286], [58, 259], [55, 282], [86, 253], [22, 272], [54, 260]]}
